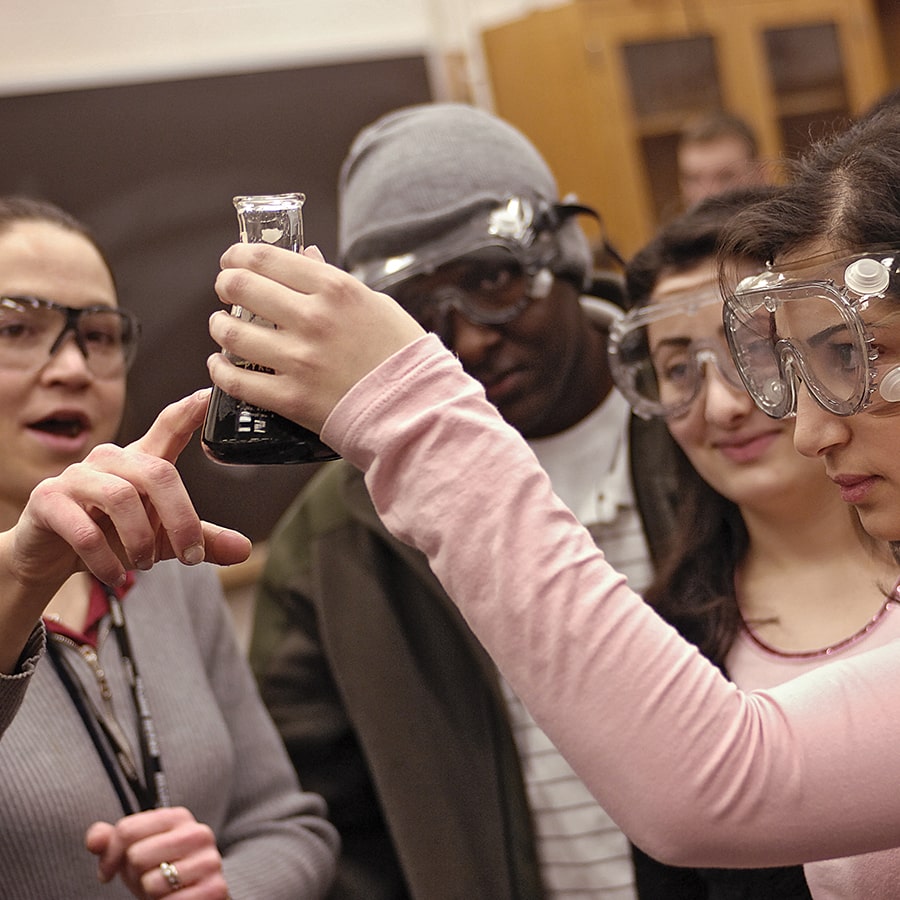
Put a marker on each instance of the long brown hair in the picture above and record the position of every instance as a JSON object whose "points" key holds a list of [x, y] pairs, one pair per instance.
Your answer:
{"points": [[694, 585]]}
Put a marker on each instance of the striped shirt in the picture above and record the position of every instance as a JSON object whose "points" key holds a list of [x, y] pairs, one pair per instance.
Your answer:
{"points": [[583, 854]]}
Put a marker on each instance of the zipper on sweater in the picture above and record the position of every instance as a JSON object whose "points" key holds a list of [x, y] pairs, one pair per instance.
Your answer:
{"points": [[92, 660], [90, 656]]}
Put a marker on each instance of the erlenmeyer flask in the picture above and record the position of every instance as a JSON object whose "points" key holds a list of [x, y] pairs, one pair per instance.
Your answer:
{"points": [[238, 433]]}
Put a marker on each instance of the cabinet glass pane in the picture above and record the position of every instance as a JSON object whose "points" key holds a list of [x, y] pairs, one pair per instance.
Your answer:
{"points": [[807, 76], [672, 79], [660, 165], [804, 58]]}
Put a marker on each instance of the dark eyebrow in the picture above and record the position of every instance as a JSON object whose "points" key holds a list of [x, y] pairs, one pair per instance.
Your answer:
{"points": [[686, 340], [886, 319], [673, 341], [825, 335]]}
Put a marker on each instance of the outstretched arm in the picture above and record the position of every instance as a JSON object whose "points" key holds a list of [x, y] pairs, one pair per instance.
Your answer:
{"points": [[696, 772]]}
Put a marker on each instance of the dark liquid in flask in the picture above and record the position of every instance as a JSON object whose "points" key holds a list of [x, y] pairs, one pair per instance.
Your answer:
{"points": [[240, 434], [236, 432]]}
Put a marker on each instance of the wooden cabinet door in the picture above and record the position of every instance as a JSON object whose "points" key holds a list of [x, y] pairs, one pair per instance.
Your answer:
{"points": [[603, 87], [796, 69]]}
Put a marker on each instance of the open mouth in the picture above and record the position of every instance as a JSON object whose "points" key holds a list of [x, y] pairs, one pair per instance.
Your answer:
{"points": [[62, 425]]}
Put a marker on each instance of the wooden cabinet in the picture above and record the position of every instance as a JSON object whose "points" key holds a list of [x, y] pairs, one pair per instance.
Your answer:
{"points": [[604, 86]]}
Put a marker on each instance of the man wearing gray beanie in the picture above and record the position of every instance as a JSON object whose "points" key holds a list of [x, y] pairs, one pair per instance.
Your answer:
{"points": [[441, 784]]}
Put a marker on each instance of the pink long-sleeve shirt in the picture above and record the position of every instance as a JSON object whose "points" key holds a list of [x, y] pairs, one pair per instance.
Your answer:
{"points": [[695, 771]]}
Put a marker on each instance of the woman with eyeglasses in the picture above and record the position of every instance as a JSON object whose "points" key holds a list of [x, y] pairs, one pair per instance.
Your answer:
{"points": [[770, 573], [134, 748], [695, 771]]}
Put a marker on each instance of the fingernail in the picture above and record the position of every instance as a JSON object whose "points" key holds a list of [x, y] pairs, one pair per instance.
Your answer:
{"points": [[194, 555]]}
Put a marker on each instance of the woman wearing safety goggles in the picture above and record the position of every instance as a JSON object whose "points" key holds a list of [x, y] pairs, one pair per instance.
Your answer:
{"points": [[749, 506]]}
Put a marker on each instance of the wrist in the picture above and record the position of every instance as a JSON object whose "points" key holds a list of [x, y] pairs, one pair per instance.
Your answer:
{"points": [[22, 601]]}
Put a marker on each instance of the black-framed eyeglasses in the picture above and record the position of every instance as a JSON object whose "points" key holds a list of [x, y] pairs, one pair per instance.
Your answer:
{"points": [[33, 329]]}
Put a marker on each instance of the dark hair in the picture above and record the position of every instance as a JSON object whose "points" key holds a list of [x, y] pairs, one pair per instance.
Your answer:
{"points": [[693, 588], [718, 124], [694, 585], [17, 208], [689, 240], [845, 190]]}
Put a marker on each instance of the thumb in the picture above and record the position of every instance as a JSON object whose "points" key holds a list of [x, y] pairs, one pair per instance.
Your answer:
{"points": [[224, 546], [97, 837]]}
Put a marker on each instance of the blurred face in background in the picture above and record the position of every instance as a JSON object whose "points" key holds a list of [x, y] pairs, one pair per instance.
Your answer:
{"points": [[707, 168]]}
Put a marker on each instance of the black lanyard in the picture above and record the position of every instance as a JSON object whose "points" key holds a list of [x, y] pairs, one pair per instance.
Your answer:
{"points": [[106, 733]]}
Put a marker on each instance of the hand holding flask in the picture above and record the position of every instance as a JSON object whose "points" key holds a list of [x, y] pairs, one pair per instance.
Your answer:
{"points": [[239, 433]]}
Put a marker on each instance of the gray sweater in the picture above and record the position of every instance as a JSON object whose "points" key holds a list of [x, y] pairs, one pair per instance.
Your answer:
{"points": [[223, 758]]}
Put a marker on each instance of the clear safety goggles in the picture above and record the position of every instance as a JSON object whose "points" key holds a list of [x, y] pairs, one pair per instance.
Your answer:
{"points": [[823, 321], [526, 230], [659, 354], [492, 286]]}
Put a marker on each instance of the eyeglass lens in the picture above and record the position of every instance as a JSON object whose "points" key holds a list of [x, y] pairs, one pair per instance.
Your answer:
{"points": [[676, 371], [666, 362], [812, 334], [488, 289], [32, 330]]}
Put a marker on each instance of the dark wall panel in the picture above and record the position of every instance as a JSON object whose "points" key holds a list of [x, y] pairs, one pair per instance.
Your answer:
{"points": [[153, 167]]}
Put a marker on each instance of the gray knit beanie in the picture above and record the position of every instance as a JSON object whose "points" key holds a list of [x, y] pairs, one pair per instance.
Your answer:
{"points": [[420, 172]]}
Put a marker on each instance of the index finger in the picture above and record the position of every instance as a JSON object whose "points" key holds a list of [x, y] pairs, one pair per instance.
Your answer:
{"points": [[174, 427], [298, 271], [110, 843]]}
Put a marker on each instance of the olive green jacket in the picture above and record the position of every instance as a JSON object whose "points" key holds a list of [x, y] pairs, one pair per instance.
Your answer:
{"points": [[389, 706]]}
